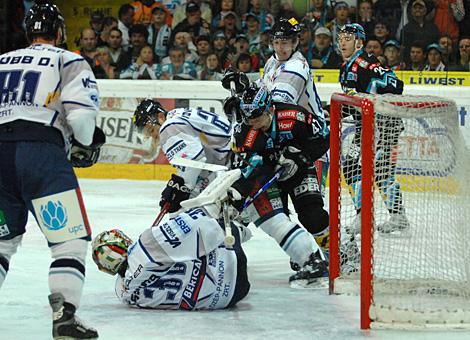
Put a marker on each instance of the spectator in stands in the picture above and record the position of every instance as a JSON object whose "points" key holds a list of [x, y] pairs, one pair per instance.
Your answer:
{"points": [[221, 49], [212, 69], [143, 12], [463, 63], [243, 63], [253, 32], [159, 34], [324, 56], [381, 32], [203, 50], [447, 14], [104, 68], [266, 19], [341, 12], [388, 12], [417, 57], [320, 11], [88, 46], [418, 28], [270, 6], [108, 24], [119, 57], [306, 43], [96, 22], [265, 51], [434, 58], [392, 55], [138, 36], [221, 8], [180, 12], [125, 17], [144, 67], [178, 68], [194, 23], [447, 48], [184, 41], [230, 26], [366, 17], [373, 46], [286, 10]]}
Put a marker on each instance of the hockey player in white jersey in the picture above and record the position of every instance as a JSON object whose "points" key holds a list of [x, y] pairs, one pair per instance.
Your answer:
{"points": [[186, 133], [49, 100]]}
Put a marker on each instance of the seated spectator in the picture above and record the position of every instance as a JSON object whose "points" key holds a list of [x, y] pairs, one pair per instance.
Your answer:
{"points": [[270, 6], [230, 26], [366, 17], [417, 57], [392, 55], [159, 34], [212, 69], [388, 12], [96, 22], [373, 46], [203, 50], [104, 68], [243, 63], [341, 18], [320, 11], [252, 32], [88, 46], [144, 67], [447, 49], [221, 49], [434, 58], [125, 18], [286, 10], [194, 24], [177, 68], [108, 24], [418, 28], [221, 8], [265, 18], [447, 14], [138, 36], [381, 32], [183, 40], [242, 46], [143, 12], [179, 14], [306, 43], [324, 56], [463, 63], [119, 57], [265, 51]]}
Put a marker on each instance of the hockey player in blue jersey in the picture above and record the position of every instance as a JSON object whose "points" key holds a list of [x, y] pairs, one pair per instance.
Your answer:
{"points": [[48, 106], [363, 73]]}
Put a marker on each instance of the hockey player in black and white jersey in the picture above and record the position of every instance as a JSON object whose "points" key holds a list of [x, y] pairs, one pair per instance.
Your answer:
{"points": [[186, 133], [48, 107]]}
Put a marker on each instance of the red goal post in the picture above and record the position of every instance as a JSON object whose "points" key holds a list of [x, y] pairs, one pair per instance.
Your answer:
{"points": [[412, 279]]}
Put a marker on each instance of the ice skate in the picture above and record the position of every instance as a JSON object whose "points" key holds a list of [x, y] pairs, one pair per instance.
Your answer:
{"points": [[66, 325], [398, 223], [313, 274]]}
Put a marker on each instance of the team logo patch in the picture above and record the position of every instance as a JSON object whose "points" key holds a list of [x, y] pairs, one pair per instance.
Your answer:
{"points": [[250, 138], [352, 76], [287, 114], [286, 126], [54, 215]]}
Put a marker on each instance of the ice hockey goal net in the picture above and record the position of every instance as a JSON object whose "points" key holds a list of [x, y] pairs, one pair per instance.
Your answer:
{"points": [[400, 222]]}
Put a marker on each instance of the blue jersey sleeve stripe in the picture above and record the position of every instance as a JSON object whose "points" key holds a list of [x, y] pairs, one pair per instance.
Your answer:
{"points": [[56, 114], [72, 61], [282, 91], [75, 103], [198, 154], [164, 128], [175, 144], [207, 133], [297, 74]]}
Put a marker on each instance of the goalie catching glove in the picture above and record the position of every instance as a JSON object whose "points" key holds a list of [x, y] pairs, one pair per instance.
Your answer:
{"points": [[83, 156], [293, 161], [239, 78], [175, 193]]}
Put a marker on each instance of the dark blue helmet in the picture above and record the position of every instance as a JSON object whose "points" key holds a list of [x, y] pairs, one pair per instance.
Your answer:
{"points": [[255, 101], [147, 113], [44, 20], [285, 29], [355, 29]]}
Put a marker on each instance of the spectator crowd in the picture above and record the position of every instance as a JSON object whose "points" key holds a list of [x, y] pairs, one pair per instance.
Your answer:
{"points": [[197, 39]]}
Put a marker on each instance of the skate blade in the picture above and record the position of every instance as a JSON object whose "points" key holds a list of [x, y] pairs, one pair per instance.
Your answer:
{"points": [[317, 283]]}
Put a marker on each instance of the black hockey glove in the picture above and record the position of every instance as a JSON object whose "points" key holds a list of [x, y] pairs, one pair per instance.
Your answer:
{"points": [[235, 198], [239, 78], [84, 156], [174, 193], [292, 161], [232, 109]]}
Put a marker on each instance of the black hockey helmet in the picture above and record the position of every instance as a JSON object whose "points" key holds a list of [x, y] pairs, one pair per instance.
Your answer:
{"points": [[44, 19], [255, 101], [285, 29], [147, 113]]}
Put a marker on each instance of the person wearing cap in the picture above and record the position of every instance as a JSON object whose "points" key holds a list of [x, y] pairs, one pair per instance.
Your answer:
{"points": [[229, 24], [266, 19], [418, 28], [222, 7], [306, 43], [221, 48], [193, 23], [242, 46], [96, 22], [253, 31], [434, 58], [341, 18], [179, 14], [143, 12], [324, 56], [392, 55], [362, 72], [159, 34]]}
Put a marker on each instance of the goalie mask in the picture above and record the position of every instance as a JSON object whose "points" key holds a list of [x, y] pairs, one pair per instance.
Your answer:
{"points": [[147, 113], [110, 250], [255, 101]]}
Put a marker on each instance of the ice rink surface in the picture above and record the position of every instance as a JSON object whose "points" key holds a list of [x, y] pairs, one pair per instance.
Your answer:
{"points": [[272, 309]]}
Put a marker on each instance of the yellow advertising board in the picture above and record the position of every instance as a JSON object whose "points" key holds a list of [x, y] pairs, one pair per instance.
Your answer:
{"points": [[77, 15]]}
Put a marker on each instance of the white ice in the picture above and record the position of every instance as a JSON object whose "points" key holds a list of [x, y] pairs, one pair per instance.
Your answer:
{"points": [[272, 309]]}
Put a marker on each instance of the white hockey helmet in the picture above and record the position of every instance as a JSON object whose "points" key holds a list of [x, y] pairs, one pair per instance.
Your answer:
{"points": [[109, 250]]}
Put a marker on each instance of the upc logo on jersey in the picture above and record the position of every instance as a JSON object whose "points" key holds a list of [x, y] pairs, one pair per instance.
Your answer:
{"points": [[170, 235], [4, 231], [89, 84], [54, 215]]}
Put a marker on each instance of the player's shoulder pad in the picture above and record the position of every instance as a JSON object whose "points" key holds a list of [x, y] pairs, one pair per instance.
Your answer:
{"points": [[297, 65], [248, 139]]}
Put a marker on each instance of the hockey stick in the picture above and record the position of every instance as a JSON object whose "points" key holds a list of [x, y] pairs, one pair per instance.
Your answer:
{"points": [[229, 239], [266, 185], [178, 161], [162, 213]]}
